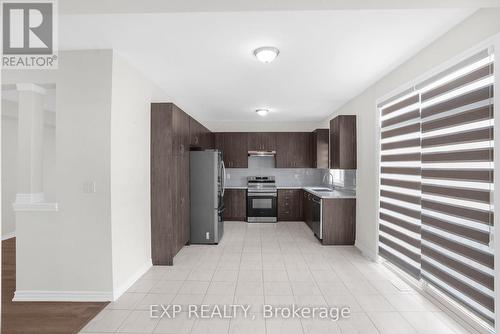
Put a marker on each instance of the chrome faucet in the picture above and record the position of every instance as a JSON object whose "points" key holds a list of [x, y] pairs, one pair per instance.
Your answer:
{"points": [[327, 177]]}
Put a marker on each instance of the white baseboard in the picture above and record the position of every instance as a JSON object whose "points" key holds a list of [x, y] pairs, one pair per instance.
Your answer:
{"points": [[118, 291], [61, 296], [366, 253], [80, 296], [9, 235]]}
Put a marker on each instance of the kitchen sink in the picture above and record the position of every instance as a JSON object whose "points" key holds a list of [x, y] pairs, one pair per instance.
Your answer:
{"points": [[322, 189]]}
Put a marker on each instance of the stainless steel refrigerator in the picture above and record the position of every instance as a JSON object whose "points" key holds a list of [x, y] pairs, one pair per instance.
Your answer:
{"points": [[207, 184]]}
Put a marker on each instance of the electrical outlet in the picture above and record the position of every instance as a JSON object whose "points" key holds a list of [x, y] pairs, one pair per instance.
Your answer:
{"points": [[207, 235]]}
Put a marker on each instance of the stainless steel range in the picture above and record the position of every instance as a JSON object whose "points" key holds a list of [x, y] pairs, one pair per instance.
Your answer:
{"points": [[262, 197]]}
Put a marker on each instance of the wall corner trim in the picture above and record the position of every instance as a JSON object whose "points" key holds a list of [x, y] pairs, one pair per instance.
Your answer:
{"points": [[366, 253], [120, 290]]}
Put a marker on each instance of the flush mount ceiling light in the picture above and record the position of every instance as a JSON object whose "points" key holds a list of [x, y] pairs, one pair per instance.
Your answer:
{"points": [[262, 112], [266, 54]]}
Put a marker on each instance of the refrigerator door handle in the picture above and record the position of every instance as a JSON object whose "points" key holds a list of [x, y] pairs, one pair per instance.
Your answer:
{"points": [[223, 177]]}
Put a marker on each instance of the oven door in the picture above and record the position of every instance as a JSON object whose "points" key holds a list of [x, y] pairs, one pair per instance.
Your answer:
{"points": [[261, 207]]}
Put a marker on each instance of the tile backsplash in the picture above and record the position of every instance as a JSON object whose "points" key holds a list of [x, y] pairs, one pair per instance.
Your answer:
{"points": [[345, 178], [285, 177], [290, 177], [293, 177]]}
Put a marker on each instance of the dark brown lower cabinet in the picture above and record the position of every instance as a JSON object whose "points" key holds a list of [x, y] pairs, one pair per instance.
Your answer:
{"points": [[339, 221], [338, 218], [235, 205], [308, 208], [290, 205]]}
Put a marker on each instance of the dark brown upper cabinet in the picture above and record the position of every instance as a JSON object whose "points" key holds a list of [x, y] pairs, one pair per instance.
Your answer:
{"points": [[200, 136], [293, 150], [180, 129], [320, 148], [261, 141], [195, 132], [343, 144], [234, 148]]}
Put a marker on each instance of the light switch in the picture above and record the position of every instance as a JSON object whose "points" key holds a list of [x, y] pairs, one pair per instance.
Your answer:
{"points": [[89, 187]]}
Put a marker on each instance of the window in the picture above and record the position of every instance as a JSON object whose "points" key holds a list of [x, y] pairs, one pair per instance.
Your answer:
{"points": [[436, 182]]}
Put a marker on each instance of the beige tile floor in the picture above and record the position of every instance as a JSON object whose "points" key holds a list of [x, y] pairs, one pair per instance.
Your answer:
{"points": [[277, 264]]}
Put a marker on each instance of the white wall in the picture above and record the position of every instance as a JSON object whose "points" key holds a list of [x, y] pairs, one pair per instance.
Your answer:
{"points": [[481, 25], [70, 250], [132, 95], [96, 244], [9, 174], [9, 164]]}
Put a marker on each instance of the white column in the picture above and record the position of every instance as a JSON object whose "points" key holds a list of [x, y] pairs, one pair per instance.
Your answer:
{"points": [[30, 144]]}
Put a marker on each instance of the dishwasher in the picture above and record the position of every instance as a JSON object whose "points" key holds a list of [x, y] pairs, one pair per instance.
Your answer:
{"points": [[317, 225]]}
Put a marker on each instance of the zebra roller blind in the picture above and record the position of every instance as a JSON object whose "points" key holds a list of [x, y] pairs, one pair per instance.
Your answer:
{"points": [[436, 186], [400, 185]]}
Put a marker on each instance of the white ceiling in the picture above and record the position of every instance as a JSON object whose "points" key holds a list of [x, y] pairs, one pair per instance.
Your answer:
{"points": [[171, 6], [205, 62]]}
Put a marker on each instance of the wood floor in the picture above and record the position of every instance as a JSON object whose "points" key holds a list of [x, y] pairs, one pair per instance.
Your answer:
{"points": [[38, 317]]}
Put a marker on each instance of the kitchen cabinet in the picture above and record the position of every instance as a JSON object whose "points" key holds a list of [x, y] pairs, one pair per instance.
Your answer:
{"points": [[234, 148], [200, 136], [293, 150], [195, 133], [308, 208], [181, 213], [343, 142], [290, 205], [173, 134], [208, 140], [338, 218], [320, 148], [235, 205], [180, 129], [170, 139], [261, 141], [339, 221]]}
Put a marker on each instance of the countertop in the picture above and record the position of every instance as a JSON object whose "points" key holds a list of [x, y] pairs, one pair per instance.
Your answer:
{"points": [[336, 193]]}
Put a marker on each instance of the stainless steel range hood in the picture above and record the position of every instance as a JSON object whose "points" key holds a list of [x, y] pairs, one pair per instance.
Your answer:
{"points": [[261, 153]]}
